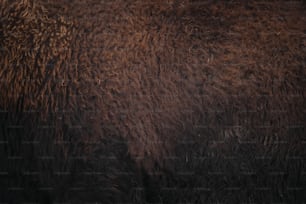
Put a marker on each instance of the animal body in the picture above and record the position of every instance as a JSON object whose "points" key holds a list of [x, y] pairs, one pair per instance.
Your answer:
{"points": [[126, 101]]}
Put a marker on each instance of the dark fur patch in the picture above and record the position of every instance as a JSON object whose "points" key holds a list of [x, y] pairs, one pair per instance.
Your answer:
{"points": [[134, 101]]}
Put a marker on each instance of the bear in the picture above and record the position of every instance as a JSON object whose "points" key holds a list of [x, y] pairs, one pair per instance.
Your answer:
{"points": [[135, 101]]}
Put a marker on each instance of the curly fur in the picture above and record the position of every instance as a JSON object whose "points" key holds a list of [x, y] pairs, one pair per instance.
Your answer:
{"points": [[146, 82]]}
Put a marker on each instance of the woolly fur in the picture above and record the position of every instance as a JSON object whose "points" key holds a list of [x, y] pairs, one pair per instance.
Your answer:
{"points": [[153, 75]]}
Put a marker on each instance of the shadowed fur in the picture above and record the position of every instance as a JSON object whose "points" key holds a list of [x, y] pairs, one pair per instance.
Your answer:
{"points": [[146, 82]]}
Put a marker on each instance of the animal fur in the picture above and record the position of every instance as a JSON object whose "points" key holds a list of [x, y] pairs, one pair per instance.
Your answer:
{"points": [[157, 87]]}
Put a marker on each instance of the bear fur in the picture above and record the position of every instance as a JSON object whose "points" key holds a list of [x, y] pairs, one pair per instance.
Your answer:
{"points": [[134, 101]]}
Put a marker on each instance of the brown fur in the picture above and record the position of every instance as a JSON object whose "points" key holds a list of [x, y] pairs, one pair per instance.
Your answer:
{"points": [[155, 74]]}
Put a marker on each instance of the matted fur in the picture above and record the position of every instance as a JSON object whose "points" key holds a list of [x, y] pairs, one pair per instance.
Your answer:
{"points": [[172, 82]]}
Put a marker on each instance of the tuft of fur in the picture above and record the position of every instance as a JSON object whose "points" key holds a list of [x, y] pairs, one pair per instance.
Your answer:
{"points": [[108, 97]]}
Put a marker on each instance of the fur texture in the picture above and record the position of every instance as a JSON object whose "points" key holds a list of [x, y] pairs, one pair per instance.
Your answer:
{"points": [[204, 99]]}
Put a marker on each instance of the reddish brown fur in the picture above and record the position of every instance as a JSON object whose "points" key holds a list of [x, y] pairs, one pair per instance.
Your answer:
{"points": [[154, 73]]}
